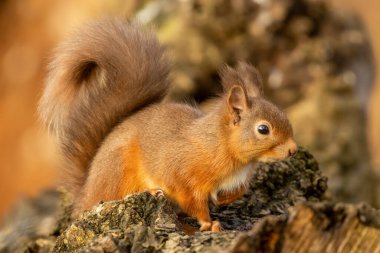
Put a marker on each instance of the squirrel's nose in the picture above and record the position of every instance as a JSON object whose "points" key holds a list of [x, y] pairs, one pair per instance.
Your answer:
{"points": [[292, 151]]}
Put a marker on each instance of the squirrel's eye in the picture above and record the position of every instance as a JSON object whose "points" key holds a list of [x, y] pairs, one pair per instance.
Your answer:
{"points": [[263, 129]]}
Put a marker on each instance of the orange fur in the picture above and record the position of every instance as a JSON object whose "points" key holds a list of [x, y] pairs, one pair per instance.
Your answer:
{"points": [[102, 99], [132, 173], [225, 198]]}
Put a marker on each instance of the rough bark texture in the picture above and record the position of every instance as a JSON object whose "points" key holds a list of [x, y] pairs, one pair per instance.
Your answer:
{"points": [[315, 227], [281, 212]]}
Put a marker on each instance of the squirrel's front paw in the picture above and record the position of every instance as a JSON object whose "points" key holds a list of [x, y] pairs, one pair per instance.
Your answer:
{"points": [[156, 192], [213, 226]]}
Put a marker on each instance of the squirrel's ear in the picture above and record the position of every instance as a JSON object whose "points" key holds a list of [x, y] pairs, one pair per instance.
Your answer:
{"points": [[251, 78], [237, 102]]}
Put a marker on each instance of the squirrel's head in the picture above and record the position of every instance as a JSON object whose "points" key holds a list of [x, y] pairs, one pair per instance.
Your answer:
{"points": [[258, 130]]}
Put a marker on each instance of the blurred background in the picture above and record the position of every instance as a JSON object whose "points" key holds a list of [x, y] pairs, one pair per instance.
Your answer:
{"points": [[318, 59]]}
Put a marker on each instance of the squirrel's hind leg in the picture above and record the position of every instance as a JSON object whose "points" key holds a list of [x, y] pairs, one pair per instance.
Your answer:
{"points": [[198, 208]]}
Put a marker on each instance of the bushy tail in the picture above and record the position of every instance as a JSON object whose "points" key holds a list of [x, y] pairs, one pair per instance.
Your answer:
{"points": [[105, 72]]}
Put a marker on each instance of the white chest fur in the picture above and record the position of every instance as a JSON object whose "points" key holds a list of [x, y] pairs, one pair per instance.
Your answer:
{"points": [[241, 177]]}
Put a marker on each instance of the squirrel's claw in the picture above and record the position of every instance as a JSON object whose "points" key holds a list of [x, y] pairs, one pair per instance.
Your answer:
{"points": [[156, 192]]}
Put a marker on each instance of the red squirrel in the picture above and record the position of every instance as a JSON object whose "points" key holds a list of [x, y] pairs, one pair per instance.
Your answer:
{"points": [[103, 100]]}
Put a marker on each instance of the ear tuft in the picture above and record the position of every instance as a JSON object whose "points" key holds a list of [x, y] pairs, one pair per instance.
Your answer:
{"points": [[252, 79], [244, 75]]}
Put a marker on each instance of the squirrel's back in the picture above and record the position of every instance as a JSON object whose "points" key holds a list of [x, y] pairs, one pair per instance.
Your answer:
{"points": [[103, 73]]}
